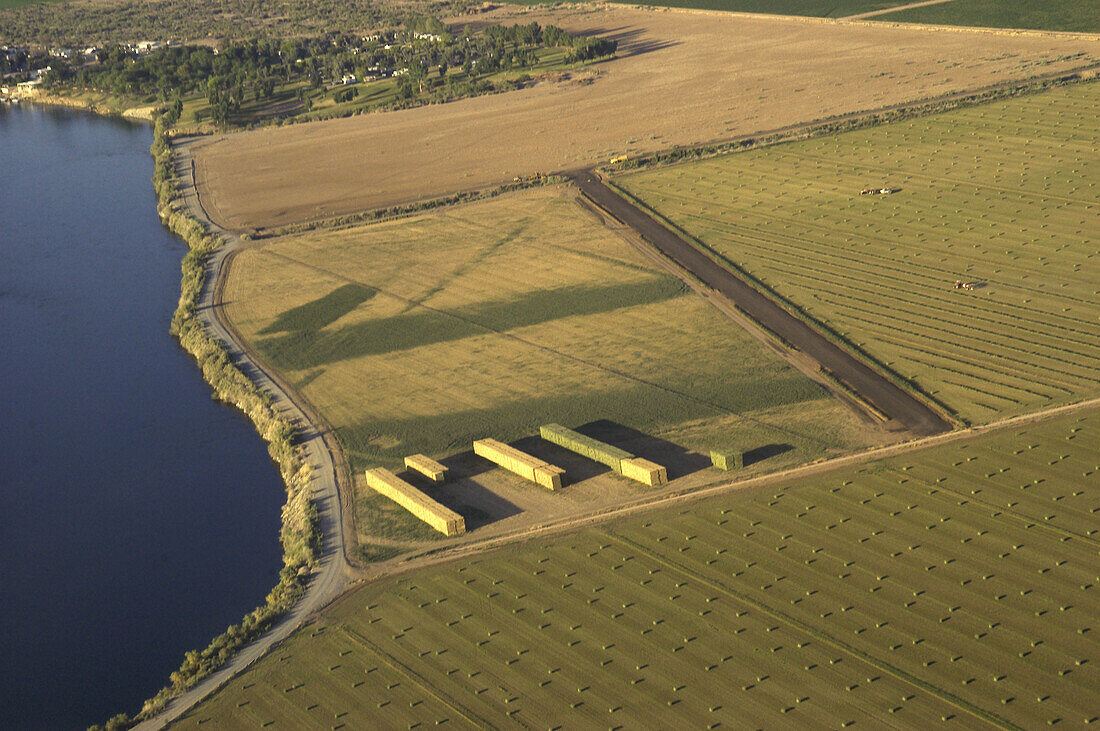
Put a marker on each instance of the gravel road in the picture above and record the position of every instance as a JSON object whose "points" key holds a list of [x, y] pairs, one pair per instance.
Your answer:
{"points": [[331, 577]]}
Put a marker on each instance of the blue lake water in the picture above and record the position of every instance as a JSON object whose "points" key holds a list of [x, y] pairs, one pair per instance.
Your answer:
{"points": [[138, 517]]}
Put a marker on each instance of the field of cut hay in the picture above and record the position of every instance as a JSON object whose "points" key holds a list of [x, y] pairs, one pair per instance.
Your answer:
{"points": [[1065, 15], [491, 319], [1001, 196], [955, 586], [682, 77]]}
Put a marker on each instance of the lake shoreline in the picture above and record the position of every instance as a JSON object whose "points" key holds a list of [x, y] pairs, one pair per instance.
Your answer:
{"points": [[307, 581], [134, 493], [315, 564]]}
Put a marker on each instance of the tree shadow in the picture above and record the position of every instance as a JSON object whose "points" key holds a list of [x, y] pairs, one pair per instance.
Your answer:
{"points": [[301, 349], [630, 40], [759, 454]]}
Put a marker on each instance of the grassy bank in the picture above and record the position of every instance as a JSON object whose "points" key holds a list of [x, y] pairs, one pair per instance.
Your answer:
{"points": [[300, 533]]}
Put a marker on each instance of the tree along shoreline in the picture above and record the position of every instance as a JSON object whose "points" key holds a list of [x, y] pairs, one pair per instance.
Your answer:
{"points": [[247, 83], [300, 533]]}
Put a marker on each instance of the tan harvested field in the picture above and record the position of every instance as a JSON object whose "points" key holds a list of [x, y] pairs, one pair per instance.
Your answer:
{"points": [[681, 77], [490, 319]]}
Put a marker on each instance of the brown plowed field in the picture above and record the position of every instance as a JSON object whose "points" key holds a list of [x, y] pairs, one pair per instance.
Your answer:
{"points": [[682, 77]]}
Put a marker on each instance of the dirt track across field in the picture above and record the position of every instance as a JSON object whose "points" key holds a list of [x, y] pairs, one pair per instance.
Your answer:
{"points": [[680, 78], [860, 378], [895, 9]]}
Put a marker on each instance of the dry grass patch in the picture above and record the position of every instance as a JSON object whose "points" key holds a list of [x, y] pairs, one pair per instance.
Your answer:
{"points": [[682, 77], [491, 319]]}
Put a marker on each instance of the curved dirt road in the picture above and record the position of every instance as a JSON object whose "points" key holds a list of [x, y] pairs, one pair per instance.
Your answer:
{"points": [[331, 577], [876, 389]]}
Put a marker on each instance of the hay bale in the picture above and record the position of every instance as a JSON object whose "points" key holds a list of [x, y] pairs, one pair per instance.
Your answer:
{"points": [[644, 471], [442, 518], [549, 476], [727, 459], [528, 467], [585, 446]]}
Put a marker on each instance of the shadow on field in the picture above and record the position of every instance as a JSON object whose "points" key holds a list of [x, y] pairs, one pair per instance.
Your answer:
{"points": [[629, 40], [677, 460], [766, 452], [477, 504], [308, 343], [577, 468]]}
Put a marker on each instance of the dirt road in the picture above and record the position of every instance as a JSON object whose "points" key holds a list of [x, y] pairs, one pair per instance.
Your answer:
{"points": [[894, 9], [332, 575], [860, 378]]}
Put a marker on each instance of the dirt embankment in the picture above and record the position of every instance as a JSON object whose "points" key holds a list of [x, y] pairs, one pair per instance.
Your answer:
{"points": [[680, 78]]}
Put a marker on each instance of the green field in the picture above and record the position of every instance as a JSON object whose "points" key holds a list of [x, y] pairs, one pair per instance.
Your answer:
{"points": [[1064, 15], [19, 3], [816, 8], [1002, 195], [951, 586]]}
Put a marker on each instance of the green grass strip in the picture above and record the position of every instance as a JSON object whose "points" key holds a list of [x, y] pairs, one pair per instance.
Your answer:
{"points": [[815, 632]]}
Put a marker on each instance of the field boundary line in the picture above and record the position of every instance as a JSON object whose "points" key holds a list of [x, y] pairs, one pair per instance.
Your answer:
{"points": [[817, 19], [911, 411], [863, 119], [312, 416], [409, 209], [330, 579], [825, 637], [807, 366], [410, 564], [822, 328], [719, 146], [1076, 35]]}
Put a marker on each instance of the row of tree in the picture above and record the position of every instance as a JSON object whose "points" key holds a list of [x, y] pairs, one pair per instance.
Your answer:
{"points": [[238, 71]]}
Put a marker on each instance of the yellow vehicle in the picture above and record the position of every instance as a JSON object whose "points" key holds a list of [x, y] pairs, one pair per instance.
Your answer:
{"points": [[617, 159]]}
